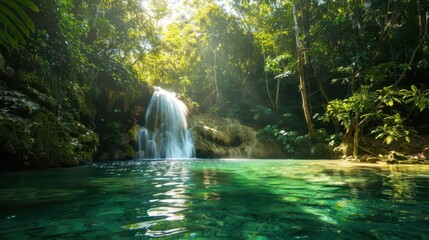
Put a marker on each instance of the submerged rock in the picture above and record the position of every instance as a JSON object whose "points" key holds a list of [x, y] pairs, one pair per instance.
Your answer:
{"points": [[228, 138]]}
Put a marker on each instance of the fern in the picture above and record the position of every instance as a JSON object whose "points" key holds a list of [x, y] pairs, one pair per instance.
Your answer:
{"points": [[15, 24]]}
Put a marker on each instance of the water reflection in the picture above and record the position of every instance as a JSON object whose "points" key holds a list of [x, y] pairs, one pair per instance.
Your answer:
{"points": [[401, 184], [214, 199], [164, 214], [210, 181]]}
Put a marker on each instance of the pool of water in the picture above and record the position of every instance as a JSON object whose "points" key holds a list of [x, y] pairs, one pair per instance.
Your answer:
{"points": [[217, 199]]}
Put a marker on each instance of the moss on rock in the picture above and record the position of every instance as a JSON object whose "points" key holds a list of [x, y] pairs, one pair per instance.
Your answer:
{"points": [[15, 142], [52, 144], [129, 152], [32, 135]]}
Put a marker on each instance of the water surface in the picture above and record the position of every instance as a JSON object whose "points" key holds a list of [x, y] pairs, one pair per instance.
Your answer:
{"points": [[217, 199]]}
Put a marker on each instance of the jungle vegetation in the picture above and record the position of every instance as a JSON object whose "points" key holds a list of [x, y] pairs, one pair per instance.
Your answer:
{"points": [[301, 71]]}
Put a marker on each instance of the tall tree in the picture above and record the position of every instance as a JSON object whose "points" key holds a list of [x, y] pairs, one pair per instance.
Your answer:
{"points": [[302, 83]]}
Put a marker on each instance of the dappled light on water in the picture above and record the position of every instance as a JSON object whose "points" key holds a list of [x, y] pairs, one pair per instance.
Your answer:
{"points": [[211, 199]]}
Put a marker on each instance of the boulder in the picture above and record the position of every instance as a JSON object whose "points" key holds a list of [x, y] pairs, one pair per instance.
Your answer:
{"points": [[217, 137]]}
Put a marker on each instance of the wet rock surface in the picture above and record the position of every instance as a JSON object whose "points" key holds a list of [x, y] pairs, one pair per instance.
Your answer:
{"points": [[228, 138], [40, 130]]}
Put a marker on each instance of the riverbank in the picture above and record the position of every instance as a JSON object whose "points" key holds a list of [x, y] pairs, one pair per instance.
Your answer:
{"points": [[375, 151], [392, 158]]}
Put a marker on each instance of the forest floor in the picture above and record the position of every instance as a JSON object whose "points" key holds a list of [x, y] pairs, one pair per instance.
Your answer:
{"points": [[374, 151]]}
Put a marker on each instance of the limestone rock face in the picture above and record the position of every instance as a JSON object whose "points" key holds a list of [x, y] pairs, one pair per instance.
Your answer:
{"points": [[33, 133], [120, 114], [217, 137]]}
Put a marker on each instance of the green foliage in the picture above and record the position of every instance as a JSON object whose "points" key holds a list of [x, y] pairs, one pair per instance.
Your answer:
{"points": [[229, 57], [379, 106], [70, 54], [259, 111], [114, 130], [296, 145], [393, 129], [347, 110], [207, 56], [17, 25], [277, 65], [415, 97]]}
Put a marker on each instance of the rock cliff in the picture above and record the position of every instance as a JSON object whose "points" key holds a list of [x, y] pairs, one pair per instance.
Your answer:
{"points": [[217, 137]]}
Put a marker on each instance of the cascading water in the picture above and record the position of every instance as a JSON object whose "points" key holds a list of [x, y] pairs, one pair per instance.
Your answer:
{"points": [[166, 134]]}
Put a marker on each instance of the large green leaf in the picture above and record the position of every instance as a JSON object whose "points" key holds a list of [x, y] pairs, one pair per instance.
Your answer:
{"points": [[6, 20], [14, 21], [16, 24], [28, 4], [14, 36], [22, 15], [6, 38]]}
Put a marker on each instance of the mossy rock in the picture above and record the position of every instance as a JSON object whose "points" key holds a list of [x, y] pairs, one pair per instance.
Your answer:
{"points": [[129, 152], [43, 141], [86, 144], [16, 103], [52, 143], [15, 142], [133, 133], [43, 99]]}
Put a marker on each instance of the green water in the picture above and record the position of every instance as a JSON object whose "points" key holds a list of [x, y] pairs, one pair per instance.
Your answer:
{"points": [[217, 199]]}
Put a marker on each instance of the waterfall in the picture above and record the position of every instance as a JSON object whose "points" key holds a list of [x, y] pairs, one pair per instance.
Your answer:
{"points": [[166, 133]]}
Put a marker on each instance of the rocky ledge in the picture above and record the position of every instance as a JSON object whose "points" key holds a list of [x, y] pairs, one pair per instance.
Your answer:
{"points": [[217, 137]]}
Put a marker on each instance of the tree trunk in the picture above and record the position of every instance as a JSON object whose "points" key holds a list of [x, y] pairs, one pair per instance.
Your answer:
{"points": [[214, 75], [303, 87], [356, 139], [326, 99], [350, 143], [277, 94], [267, 85], [346, 146]]}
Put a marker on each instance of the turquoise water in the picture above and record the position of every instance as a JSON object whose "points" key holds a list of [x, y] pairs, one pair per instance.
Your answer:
{"points": [[217, 199]]}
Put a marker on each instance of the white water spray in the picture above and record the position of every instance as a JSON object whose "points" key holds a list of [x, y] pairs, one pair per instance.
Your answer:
{"points": [[166, 134]]}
